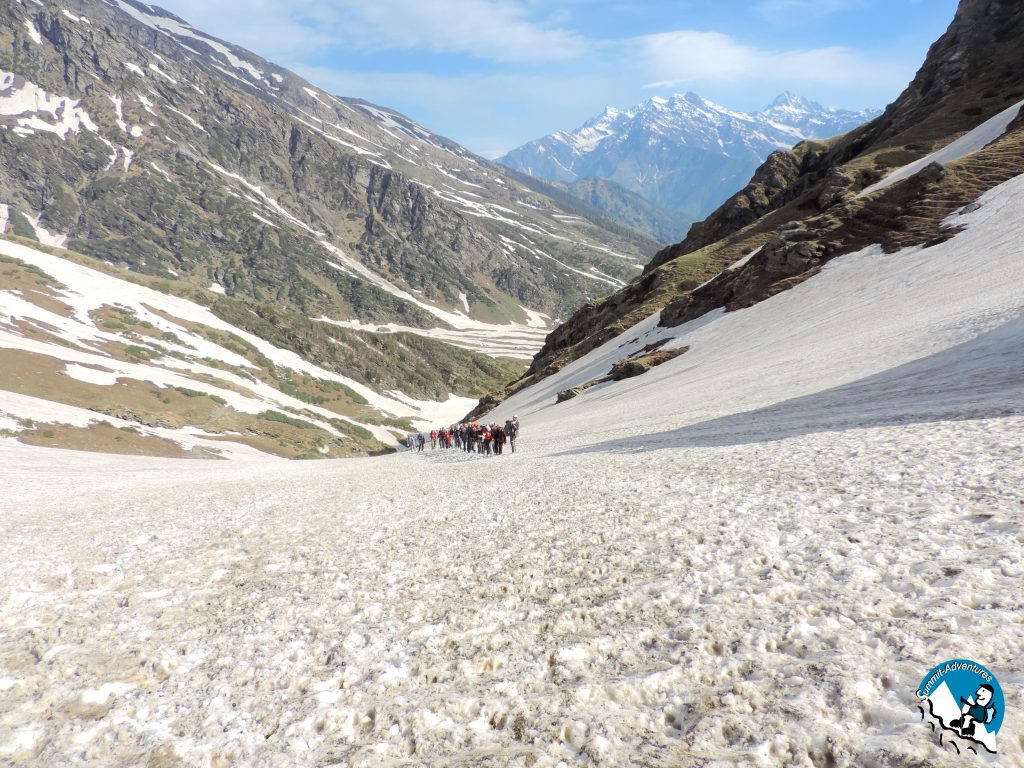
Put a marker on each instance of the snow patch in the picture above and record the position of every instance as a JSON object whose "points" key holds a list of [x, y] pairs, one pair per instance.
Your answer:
{"points": [[73, 17], [164, 75], [191, 120], [33, 33], [970, 143], [91, 375], [31, 105], [43, 235]]}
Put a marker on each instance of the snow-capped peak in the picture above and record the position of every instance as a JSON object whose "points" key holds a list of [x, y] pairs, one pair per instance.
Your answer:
{"points": [[655, 147], [790, 99]]}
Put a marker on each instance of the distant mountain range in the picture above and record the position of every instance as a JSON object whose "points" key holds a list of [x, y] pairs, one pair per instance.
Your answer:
{"points": [[685, 154]]}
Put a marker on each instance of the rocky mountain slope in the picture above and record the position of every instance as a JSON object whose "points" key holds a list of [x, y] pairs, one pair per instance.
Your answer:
{"points": [[953, 134], [333, 228], [685, 154], [625, 207]]}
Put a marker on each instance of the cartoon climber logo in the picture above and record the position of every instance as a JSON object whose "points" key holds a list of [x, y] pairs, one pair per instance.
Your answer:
{"points": [[963, 700]]}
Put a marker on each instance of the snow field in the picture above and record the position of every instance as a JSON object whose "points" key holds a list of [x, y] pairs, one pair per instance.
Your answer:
{"points": [[763, 604], [19, 97], [865, 315]]}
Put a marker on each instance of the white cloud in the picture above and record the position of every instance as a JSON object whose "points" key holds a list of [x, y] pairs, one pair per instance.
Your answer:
{"points": [[499, 30], [690, 57], [494, 30]]}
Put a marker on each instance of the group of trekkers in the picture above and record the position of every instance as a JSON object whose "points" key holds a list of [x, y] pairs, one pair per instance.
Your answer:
{"points": [[486, 439]]}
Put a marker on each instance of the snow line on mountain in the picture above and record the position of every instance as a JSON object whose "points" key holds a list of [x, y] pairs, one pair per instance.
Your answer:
{"points": [[175, 29], [967, 144], [91, 289]]}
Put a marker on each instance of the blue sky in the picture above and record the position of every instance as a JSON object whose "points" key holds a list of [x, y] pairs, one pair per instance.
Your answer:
{"points": [[493, 74]]}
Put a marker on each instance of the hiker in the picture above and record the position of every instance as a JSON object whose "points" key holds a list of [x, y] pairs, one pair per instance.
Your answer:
{"points": [[470, 436]]}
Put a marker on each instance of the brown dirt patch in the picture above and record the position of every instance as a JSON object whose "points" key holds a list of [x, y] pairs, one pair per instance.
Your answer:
{"points": [[105, 438], [42, 376], [35, 286]]}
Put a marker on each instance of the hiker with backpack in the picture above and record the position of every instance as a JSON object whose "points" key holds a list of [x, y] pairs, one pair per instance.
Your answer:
{"points": [[512, 432]]}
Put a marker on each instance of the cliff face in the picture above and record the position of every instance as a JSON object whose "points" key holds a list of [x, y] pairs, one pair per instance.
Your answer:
{"points": [[803, 207]]}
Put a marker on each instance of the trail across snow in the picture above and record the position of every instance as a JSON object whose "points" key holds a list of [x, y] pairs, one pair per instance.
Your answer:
{"points": [[748, 556]]}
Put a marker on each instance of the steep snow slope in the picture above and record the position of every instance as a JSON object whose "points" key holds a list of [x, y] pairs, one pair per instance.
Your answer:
{"points": [[749, 555], [863, 315], [967, 144]]}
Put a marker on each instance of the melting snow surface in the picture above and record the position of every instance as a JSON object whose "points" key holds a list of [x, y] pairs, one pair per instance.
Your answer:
{"points": [[742, 557]]}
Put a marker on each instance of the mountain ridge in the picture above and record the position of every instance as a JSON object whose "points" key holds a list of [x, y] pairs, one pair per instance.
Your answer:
{"points": [[658, 147], [380, 254], [827, 198]]}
